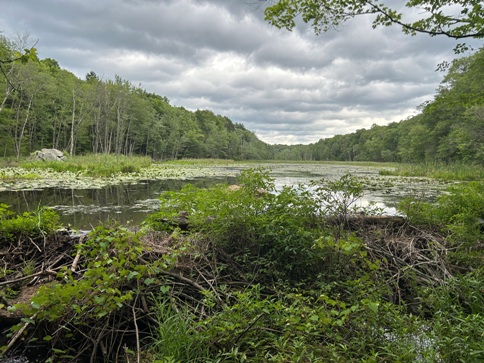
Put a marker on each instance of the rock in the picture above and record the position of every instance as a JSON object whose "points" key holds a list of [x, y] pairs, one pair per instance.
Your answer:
{"points": [[49, 155]]}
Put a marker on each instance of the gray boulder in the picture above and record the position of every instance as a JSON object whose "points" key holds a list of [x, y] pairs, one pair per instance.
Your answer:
{"points": [[49, 155]]}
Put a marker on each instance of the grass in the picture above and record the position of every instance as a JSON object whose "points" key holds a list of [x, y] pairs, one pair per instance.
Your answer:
{"points": [[95, 165], [201, 161], [176, 339], [440, 171]]}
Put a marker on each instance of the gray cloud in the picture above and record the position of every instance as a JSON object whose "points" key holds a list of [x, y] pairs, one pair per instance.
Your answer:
{"points": [[288, 87]]}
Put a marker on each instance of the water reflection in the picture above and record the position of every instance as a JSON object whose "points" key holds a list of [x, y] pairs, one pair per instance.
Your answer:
{"points": [[85, 208]]}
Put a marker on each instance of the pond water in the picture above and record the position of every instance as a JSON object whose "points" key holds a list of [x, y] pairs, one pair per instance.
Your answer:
{"points": [[82, 206]]}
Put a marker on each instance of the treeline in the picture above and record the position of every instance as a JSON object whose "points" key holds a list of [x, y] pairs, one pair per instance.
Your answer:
{"points": [[44, 106], [448, 129]]}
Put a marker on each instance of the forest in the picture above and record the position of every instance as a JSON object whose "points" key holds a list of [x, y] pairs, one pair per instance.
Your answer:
{"points": [[45, 106]]}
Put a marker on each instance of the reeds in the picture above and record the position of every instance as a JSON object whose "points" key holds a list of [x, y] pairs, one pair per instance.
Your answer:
{"points": [[441, 171], [95, 165]]}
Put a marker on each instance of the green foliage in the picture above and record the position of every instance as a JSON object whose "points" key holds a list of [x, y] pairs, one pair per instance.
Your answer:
{"points": [[320, 295], [339, 198], [76, 306], [458, 317], [436, 19], [459, 212], [255, 273], [271, 232], [176, 338], [37, 224], [311, 326], [274, 233], [111, 265]]}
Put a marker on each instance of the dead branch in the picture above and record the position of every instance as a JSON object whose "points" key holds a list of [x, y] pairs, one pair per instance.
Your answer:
{"points": [[19, 333]]}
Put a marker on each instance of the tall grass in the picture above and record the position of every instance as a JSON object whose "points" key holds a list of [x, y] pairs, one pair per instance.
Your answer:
{"points": [[176, 338], [454, 171], [201, 162], [95, 165]]}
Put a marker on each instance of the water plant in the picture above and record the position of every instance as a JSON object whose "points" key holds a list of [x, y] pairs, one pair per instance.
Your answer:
{"points": [[33, 225], [441, 171]]}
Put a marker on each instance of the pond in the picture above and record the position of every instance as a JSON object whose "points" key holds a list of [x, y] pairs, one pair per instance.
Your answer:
{"points": [[83, 205]]}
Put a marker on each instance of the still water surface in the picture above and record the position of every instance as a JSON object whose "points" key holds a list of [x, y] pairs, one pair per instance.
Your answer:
{"points": [[129, 203], [85, 208]]}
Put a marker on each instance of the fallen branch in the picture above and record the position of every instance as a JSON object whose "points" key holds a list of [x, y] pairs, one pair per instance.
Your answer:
{"points": [[40, 273], [19, 333], [138, 347], [184, 279], [78, 254]]}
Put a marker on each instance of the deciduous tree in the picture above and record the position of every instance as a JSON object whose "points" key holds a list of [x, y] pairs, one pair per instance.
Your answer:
{"points": [[457, 19]]}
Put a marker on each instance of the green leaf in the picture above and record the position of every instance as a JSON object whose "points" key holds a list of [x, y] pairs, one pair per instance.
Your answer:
{"points": [[149, 281], [164, 289], [374, 306], [28, 320], [132, 274]]}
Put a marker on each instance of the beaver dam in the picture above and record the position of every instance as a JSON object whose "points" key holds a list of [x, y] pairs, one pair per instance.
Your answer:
{"points": [[245, 274]]}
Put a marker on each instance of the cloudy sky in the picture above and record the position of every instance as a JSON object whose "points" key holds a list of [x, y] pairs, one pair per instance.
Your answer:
{"points": [[287, 87]]}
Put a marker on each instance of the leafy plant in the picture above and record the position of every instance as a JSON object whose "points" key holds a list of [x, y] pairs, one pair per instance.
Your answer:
{"points": [[271, 232], [459, 212], [95, 304], [37, 224], [255, 273]]}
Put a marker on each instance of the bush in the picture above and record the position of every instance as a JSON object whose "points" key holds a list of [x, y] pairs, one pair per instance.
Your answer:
{"points": [[255, 274], [459, 214], [271, 233], [99, 303], [34, 225]]}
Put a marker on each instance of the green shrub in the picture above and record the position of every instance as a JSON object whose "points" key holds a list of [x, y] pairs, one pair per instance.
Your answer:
{"points": [[36, 224], [272, 233], [459, 212], [78, 310], [457, 317]]}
